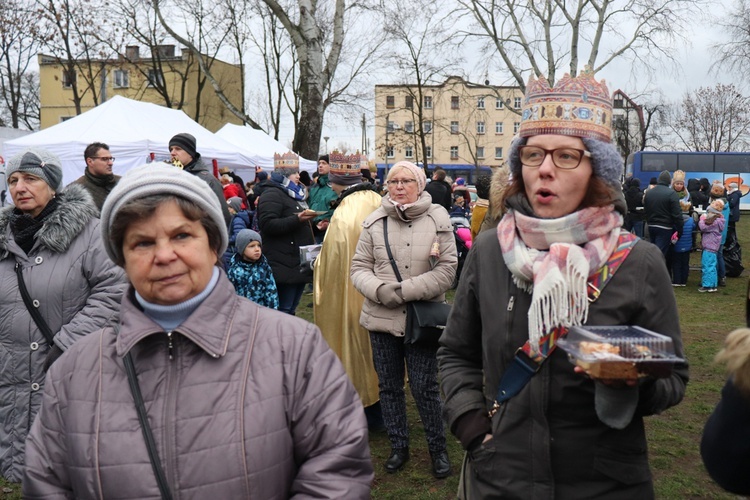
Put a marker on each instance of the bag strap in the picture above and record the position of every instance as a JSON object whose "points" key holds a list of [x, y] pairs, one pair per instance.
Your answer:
{"points": [[148, 436], [33, 310], [527, 361], [388, 249]]}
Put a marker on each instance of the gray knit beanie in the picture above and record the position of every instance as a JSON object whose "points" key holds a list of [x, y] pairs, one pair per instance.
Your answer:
{"points": [[665, 178], [39, 162], [244, 238], [235, 203], [186, 142], [153, 179], [605, 160]]}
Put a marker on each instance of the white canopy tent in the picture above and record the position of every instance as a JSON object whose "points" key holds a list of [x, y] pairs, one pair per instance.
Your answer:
{"points": [[134, 131], [261, 144]]}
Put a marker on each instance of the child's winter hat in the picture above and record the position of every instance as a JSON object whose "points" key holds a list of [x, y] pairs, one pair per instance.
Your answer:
{"points": [[244, 238]]}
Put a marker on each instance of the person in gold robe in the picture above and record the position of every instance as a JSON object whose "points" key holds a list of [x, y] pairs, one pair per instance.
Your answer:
{"points": [[337, 304]]}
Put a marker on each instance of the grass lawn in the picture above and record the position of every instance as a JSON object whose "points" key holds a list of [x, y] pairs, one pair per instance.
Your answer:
{"points": [[674, 436]]}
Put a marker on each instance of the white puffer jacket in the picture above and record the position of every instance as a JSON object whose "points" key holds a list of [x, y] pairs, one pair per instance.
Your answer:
{"points": [[410, 234]]}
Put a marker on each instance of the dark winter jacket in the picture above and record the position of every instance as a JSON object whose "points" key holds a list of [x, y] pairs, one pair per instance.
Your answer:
{"points": [[634, 200], [725, 446], [548, 441], [199, 169], [441, 193], [240, 221], [98, 186], [252, 403], [734, 205], [78, 290], [283, 233], [661, 205], [253, 280]]}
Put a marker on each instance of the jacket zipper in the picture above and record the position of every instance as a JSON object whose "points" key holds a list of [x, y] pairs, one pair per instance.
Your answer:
{"points": [[169, 415]]}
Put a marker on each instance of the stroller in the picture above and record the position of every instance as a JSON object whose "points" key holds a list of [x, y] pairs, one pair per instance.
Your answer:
{"points": [[462, 233]]}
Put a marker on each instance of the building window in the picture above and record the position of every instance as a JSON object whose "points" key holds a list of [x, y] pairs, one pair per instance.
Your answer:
{"points": [[390, 102], [409, 127], [498, 127], [480, 151], [155, 78], [389, 152], [517, 102], [516, 126], [65, 118], [409, 102], [618, 101], [390, 126], [454, 102], [427, 127], [499, 104], [428, 102], [122, 79], [428, 152], [454, 127], [454, 152], [498, 153], [480, 102], [409, 152], [68, 78], [480, 127]]}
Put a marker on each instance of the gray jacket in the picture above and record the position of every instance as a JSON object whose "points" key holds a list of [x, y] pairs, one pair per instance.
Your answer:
{"points": [[548, 441], [411, 241], [78, 290], [252, 404]]}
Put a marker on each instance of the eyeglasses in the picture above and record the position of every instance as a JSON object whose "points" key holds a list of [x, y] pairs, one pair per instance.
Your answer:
{"points": [[564, 158], [400, 182], [105, 158]]}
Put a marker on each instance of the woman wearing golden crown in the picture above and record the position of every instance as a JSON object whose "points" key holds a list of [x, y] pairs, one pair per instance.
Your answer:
{"points": [[535, 425]]}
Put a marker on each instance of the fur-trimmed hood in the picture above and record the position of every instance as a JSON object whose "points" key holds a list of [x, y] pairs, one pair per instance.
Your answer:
{"points": [[498, 186], [75, 209]]}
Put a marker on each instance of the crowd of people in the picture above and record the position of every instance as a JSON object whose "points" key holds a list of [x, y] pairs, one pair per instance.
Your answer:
{"points": [[151, 350]]}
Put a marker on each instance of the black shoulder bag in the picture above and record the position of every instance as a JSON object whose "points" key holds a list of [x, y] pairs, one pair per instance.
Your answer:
{"points": [[33, 310], [148, 436], [425, 320]]}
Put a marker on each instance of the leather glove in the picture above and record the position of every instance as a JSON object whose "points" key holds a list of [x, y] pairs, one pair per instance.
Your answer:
{"points": [[52, 355], [390, 295]]}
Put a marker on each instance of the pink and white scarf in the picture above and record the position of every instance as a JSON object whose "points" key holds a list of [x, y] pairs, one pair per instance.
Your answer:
{"points": [[553, 259]]}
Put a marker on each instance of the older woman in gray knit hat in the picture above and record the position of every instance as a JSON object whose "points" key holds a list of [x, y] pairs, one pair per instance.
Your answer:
{"points": [[225, 398], [533, 424], [56, 283]]}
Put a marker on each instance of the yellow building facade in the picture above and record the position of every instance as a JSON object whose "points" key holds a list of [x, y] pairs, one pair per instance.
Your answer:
{"points": [[140, 78], [466, 125]]}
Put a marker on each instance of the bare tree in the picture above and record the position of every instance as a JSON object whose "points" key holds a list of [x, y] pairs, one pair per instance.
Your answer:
{"points": [[540, 37], [422, 59], [713, 119], [19, 43], [734, 54], [74, 40]]}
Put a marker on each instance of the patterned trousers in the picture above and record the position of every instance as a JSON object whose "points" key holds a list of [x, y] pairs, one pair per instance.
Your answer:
{"points": [[388, 354]]}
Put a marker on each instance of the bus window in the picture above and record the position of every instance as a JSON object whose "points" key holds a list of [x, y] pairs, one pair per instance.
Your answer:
{"points": [[656, 162], [696, 162], [734, 163]]}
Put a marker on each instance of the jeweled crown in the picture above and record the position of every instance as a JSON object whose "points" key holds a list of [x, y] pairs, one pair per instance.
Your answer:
{"points": [[286, 160], [343, 164], [580, 107]]}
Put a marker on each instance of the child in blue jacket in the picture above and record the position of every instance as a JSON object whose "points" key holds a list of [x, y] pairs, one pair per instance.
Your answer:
{"points": [[681, 254], [250, 272]]}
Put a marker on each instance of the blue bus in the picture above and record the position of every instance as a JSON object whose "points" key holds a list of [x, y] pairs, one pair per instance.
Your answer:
{"points": [[726, 167]]}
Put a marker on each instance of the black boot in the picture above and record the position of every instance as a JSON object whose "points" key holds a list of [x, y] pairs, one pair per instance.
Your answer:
{"points": [[397, 460], [441, 466]]}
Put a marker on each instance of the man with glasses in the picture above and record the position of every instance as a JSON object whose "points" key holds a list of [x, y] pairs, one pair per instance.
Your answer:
{"points": [[98, 178]]}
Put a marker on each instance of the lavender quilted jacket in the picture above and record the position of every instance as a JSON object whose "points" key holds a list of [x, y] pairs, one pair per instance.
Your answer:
{"points": [[251, 404]]}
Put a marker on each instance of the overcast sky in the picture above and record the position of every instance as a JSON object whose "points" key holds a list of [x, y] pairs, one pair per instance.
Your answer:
{"points": [[695, 58]]}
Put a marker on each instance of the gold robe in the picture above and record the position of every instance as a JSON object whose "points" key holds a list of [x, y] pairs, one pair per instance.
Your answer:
{"points": [[337, 304]]}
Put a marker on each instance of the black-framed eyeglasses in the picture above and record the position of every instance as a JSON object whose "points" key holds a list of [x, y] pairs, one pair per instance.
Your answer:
{"points": [[564, 158], [402, 182], [105, 158]]}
